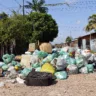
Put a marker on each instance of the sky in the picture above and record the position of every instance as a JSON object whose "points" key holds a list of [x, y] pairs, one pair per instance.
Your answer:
{"points": [[71, 19]]}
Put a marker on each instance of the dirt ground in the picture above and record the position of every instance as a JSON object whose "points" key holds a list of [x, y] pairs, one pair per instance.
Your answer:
{"points": [[75, 85]]}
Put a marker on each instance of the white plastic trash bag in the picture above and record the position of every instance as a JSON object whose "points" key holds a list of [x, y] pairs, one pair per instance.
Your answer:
{"points": [[83, 70], [61, 64], [34, 59], [72, 69]]}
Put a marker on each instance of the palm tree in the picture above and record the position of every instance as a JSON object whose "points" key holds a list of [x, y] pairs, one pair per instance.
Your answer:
{"points": [[91, 23], [37, 6]]}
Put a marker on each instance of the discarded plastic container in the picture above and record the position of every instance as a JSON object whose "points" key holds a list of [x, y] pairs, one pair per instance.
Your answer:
{"points": [[61, 75]]}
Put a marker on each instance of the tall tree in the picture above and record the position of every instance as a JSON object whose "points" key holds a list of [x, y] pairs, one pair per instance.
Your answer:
{"points": [[91, 23], [45, 28], [68, 39], [37, 6]]}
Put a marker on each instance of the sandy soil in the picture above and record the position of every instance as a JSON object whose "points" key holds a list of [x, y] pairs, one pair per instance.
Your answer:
{"points": [[75, 85]]}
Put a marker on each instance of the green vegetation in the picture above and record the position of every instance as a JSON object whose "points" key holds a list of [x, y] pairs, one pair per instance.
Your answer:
{"points": [[68, 39], [25, 29], [91, 23]]}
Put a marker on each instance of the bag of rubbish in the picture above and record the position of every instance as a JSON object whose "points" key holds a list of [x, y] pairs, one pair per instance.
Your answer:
{"points": [[39, 79], [13, 63], [38, 69], [19, 65], [90, 67], [48, 59], [5, 67], [42, 54], [65, 49], [61, 52], [72, 61], [72, 69], [26, 71], [35, 52], [7, 58], [80, 61], [83, 70], [71, 49], [13, 74], [91, 59], [34, 59], [86, 53], [47, 67], [65, 56], [61, 75], [1, 64], [61, 64], [35, 65], [54, 50]]}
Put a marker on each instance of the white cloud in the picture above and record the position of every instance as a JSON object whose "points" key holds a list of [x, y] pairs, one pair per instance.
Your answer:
{"points": [[78, 22]]}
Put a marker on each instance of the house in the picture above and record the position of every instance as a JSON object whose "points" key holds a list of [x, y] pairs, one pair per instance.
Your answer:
{"points": [[87, 41]]}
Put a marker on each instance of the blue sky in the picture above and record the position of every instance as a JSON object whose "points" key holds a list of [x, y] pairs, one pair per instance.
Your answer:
{"points": [[71, 19]]}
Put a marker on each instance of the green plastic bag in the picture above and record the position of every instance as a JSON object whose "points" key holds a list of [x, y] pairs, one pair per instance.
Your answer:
{"points": [[42, 54], [72, 61], [61, 52], [25, 71], [35, 65], [80, 62], [61, 75], [38, 69], [7, 58], [5, 67], [13, 63], [90, 67], [19, 65]]}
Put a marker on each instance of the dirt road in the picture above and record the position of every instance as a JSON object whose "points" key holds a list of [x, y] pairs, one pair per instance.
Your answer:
{"points": [[75, 85]]}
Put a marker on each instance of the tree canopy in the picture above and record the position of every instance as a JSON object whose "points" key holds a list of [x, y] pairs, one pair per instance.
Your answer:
{"points": [[37, 6], [68, 39], [91, 23], [29, 28], [45, 28]]}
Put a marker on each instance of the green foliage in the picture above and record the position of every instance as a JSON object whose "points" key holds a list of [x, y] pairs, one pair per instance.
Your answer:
{"points": [[37, 6], [26, 29], [45, 28], [68, 39], [91, 23]]}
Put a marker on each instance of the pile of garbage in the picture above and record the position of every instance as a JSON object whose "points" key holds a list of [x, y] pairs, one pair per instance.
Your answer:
{"points": [[61, 63]]}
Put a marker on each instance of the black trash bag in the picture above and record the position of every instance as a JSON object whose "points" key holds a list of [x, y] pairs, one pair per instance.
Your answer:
{"points": [[90, 62], [95, 65], [39, 79]]}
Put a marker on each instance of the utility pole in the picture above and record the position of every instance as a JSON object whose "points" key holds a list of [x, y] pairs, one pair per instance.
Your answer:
{"points": [[23, 9]]}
